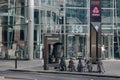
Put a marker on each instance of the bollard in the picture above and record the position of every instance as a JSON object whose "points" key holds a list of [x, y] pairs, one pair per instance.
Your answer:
{"points": [[16, 57], [16, 63]]}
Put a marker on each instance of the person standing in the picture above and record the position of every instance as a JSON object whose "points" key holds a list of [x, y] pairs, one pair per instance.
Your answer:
{"points": [[103, 51]]}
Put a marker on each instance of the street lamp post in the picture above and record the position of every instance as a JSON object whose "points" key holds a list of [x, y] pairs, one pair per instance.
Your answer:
{"points": [[31, 28]]}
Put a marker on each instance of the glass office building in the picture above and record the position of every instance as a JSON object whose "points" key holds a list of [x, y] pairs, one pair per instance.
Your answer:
{"points": [[23, 24]]}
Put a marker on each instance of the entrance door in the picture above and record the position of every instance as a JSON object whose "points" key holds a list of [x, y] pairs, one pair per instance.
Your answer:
{"points": [[76, 46]]}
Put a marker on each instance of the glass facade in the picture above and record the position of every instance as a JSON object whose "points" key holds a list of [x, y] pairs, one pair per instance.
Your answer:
{"points": [[12, 26], [70, 19]]}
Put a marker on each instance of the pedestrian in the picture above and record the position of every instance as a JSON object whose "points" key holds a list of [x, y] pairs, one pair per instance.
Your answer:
{"points": [[100, 66], [103, 51]]}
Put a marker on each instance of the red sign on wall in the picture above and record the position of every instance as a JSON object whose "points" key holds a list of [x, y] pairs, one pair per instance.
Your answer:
{"points": [[95, 10]]}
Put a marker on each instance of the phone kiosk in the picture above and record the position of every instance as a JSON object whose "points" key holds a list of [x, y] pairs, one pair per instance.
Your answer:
{"points": [[52, 51]]}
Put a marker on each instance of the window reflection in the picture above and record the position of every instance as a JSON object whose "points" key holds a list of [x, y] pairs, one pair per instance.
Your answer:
{"points": [[76, 16], [76, 3]]}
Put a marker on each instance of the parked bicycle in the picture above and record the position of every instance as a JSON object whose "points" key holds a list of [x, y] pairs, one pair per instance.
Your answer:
{"points": [[80, 65], [62, 64], [71, 66], [87, 65]]}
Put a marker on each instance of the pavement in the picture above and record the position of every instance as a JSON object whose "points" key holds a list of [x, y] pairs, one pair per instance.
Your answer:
{"points": [[112, 68], [11, 78]]}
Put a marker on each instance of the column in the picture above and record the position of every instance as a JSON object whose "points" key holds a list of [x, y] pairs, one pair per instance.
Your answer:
{"points": [[95, 30], [30, 28], [109, 47], [0, 34], [17, 21]]}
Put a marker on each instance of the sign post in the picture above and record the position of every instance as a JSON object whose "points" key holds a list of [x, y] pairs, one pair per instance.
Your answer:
{"points": [[95, 30]]}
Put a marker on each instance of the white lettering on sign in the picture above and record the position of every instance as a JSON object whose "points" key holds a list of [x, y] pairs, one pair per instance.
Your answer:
{"points": [[77, 29], [52, 38], [95, 14]]}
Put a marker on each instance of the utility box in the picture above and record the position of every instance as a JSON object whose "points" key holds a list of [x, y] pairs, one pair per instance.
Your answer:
{"points": [[52, 51]]}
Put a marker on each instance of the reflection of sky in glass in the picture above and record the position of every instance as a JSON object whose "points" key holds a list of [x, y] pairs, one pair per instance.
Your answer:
{"points": [[76, 3], [76, 15], [71, 20]]}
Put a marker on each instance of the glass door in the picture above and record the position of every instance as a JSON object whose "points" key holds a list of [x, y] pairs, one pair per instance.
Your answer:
{"points": [[76, 46], [108, 47]]}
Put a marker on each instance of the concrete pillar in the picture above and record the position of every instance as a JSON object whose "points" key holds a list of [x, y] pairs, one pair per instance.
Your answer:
{"points": [[0, 31], [0, 34], [30, 28]]}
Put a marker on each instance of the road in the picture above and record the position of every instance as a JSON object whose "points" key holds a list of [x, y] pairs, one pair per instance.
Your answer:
{"points": [[48, 76]]}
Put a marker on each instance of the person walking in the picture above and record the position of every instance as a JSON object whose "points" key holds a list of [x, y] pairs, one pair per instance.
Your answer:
{"points": [[100, 66]]}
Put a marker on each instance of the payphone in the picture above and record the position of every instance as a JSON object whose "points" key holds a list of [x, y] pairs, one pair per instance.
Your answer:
{"points": [[52, 51]]}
